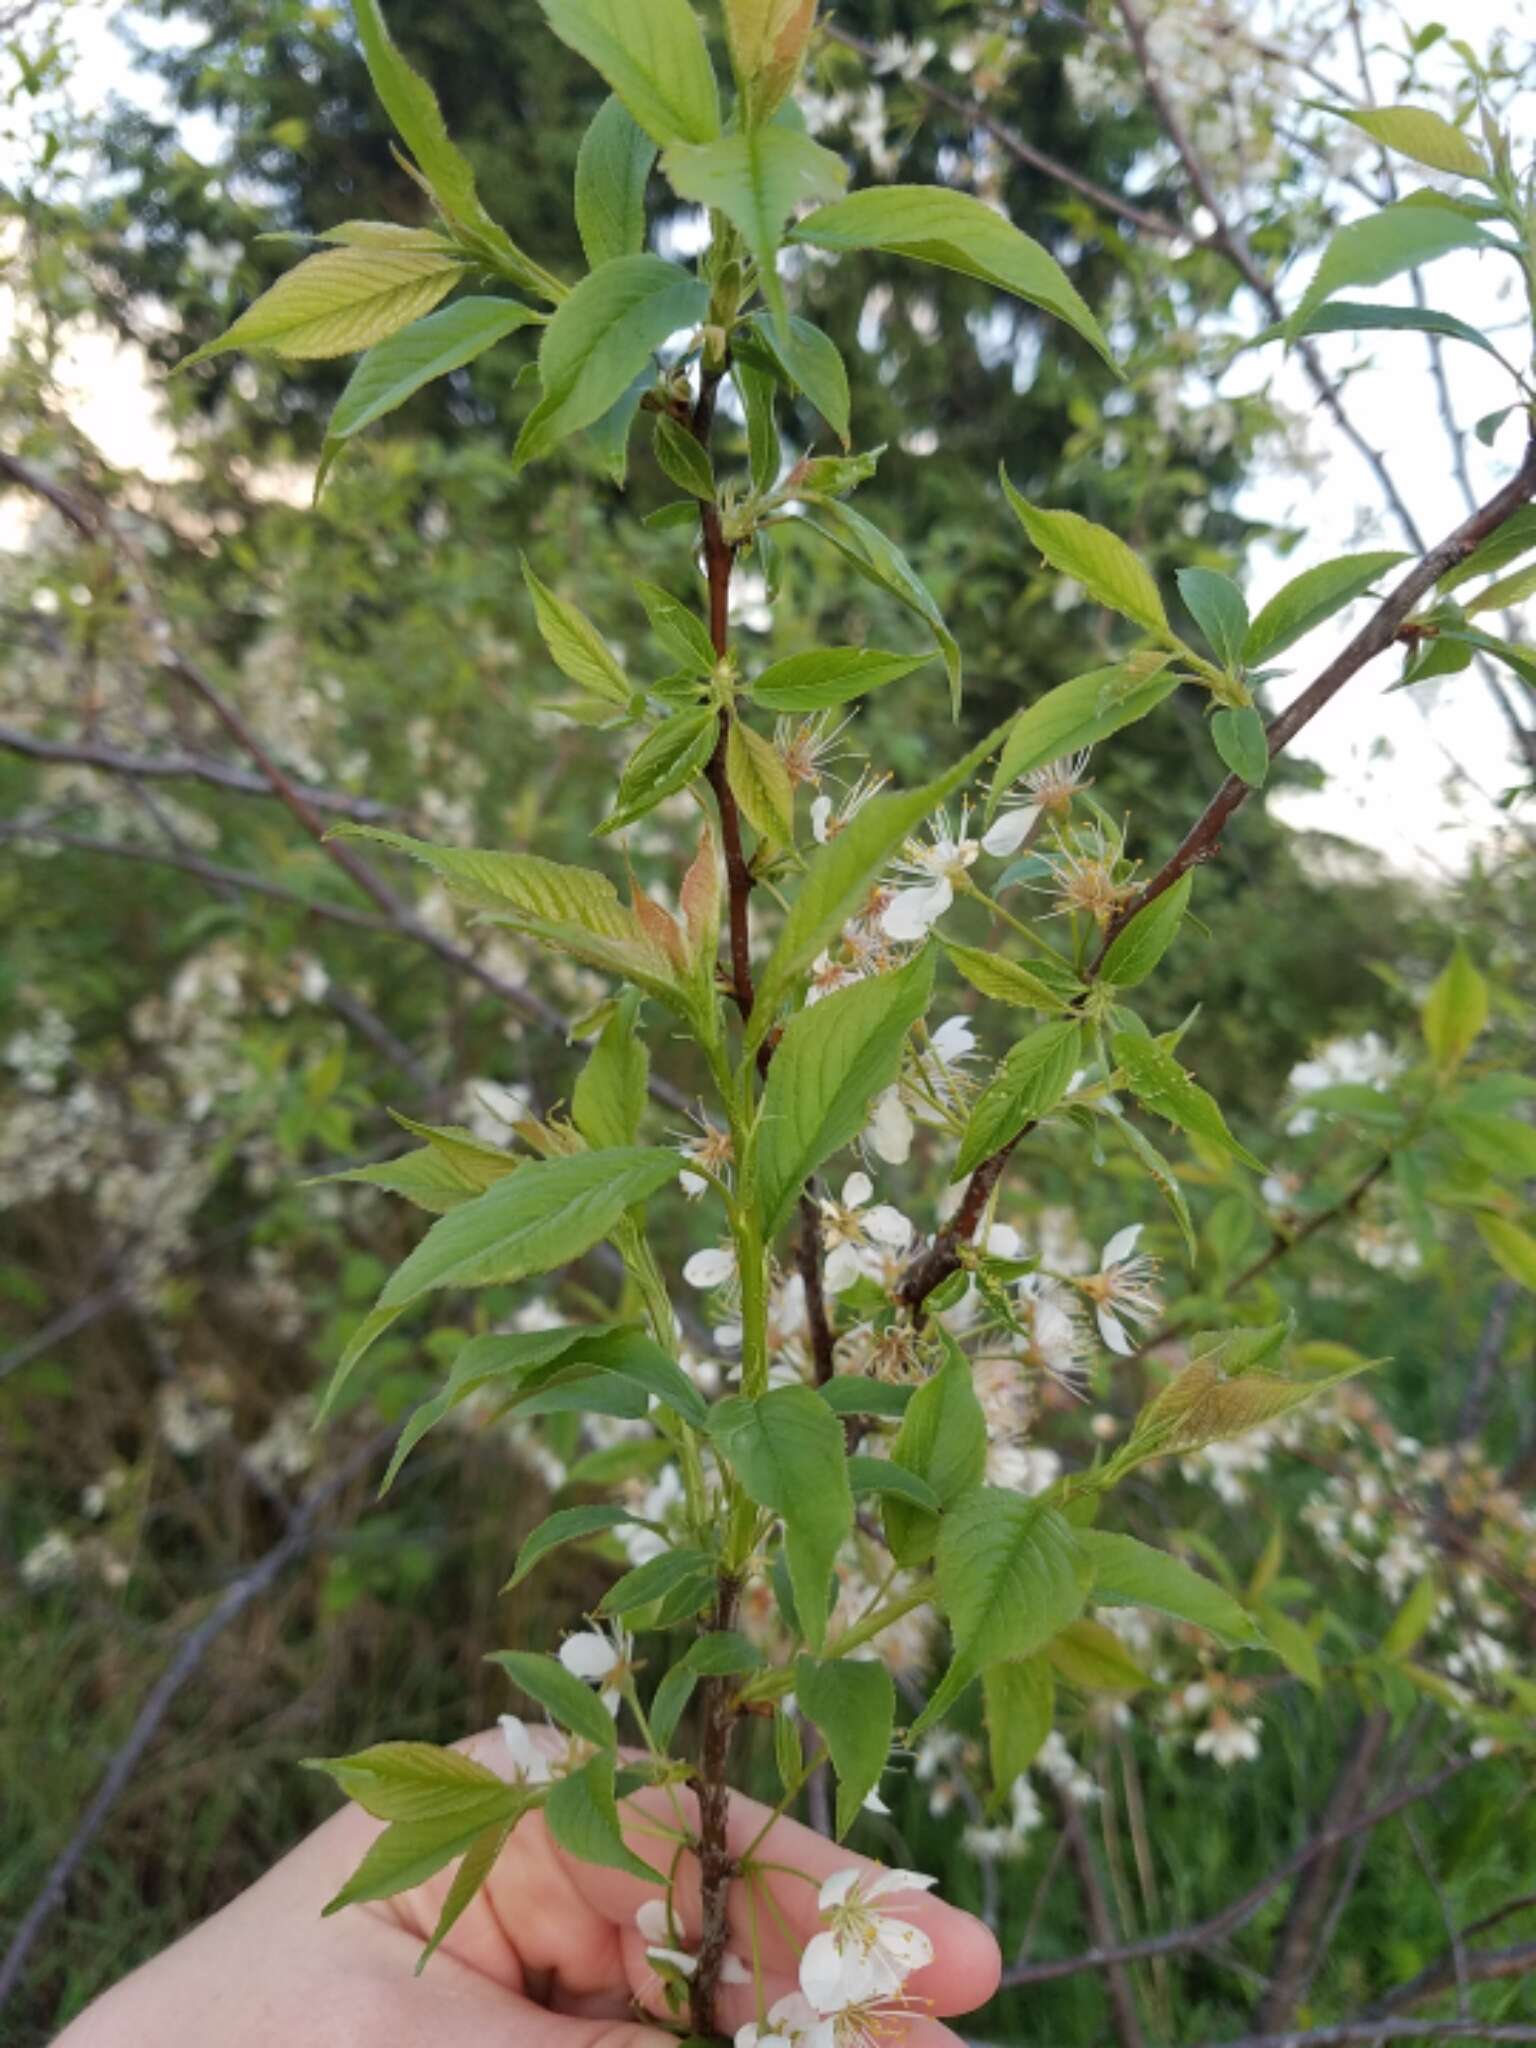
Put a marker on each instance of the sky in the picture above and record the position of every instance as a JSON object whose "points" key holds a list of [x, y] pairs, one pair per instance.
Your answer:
{"points": [[1417, 775]]}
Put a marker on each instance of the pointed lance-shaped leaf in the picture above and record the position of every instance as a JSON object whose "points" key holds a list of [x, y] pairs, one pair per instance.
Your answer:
{"points": [[652, 53], [340, 301]]}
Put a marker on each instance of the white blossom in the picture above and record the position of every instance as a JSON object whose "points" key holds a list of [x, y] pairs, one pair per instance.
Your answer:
{"points": [[862, 1954], [1123, 1290], [857, 1232], [531, 1763], [924, 877], [712, 1268], [598, 1659]]}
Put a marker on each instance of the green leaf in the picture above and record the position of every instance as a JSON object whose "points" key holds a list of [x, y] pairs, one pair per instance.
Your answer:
{"points": [[1143, 942], [853, 1703], [652, 53], [582, 1813], [1011, 1574], [576, 647], [1157, 1080], [943, 1440], [569, 1699], [1221, 1394], [613, 166], [542, 1216], [1291, 1644], [839, 875], [566, 1525], [412, 106], [665, 761], [1092, 1657], [1507, 591], [881, 562], [851, 1393], [811, 364], [601, 338], [1356, 316], [891, 1481], [1030, 1080], [451, 1168], [1096, 558], [1165, 1178], [683, 459], [1127, 1573], [1080, 713], [1512, 1248], [786, 1448], [340, 301], [1005, 980], [1242, 743], [1455, 1011], [1019, 1701], [406, 1855], [418, 1781], [829, 676], [608, 1100], [760, 784], [1219, 609], [757, 178], [1412, 1618], [1310, 598], [1428, 138], [957, 232], [1404, 236], [659, 1576], [394, 369], [832, 1061], [478, 1863], [756, 389], [1515, 537], [678, 627]]}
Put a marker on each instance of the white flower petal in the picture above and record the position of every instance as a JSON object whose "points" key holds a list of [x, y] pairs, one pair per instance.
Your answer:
{"points": [[911, 913], [906, 1947], [711, 1268], [692, 1184], [589, 1656], [1010, 831], [954, 1040], [890, 1130], [823, 1974], [887, 1226], [675, 1959], [889, 1881], [836, 1888], [821, 817], [1112, 1330], [653, 1921], [843, 1268], [733, 1970], [857, 1189], [1120, 1246]]}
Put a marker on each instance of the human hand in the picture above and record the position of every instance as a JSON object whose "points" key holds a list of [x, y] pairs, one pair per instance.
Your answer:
{"points": [[547, 1956]]}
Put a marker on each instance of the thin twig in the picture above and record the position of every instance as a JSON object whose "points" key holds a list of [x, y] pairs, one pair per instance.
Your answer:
{"points": [[183, 767], [1101, 1922], [1238, 1912], [301, 1533], [1365, 2033]]}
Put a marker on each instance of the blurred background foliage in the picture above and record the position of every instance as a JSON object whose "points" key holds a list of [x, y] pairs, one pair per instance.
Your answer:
{"points": [[178, 1052]]}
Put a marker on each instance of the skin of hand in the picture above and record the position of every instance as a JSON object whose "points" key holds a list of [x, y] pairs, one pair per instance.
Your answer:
{"points": [[547, 1956]]}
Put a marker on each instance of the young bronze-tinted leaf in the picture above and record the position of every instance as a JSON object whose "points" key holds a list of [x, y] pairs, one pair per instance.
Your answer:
{"points": [[853, 1703], [877, 558], [1242, 742], [1128, 1573], [1455, 1011], [569, 1699], [1006, 981], [1030, 1081], [601, 338], [609, 1097], [341, 301], [1210, 1400], [952, 229], [787, 1450], [1080, 713], [1310, 598], [1096, 558], [840, 874], [1142, 943], [1403, 236], [665, 761], [760, 784], [678, 627], [1019, 1702], [575, 645], [652, 53], [943, 1439], [1218, 608], [566, 1525], [393, 370], [832, 1061], [1157, 1080], [613, 166], [1417, 132], [684, 459], [582, 1814], [829, 676]]}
